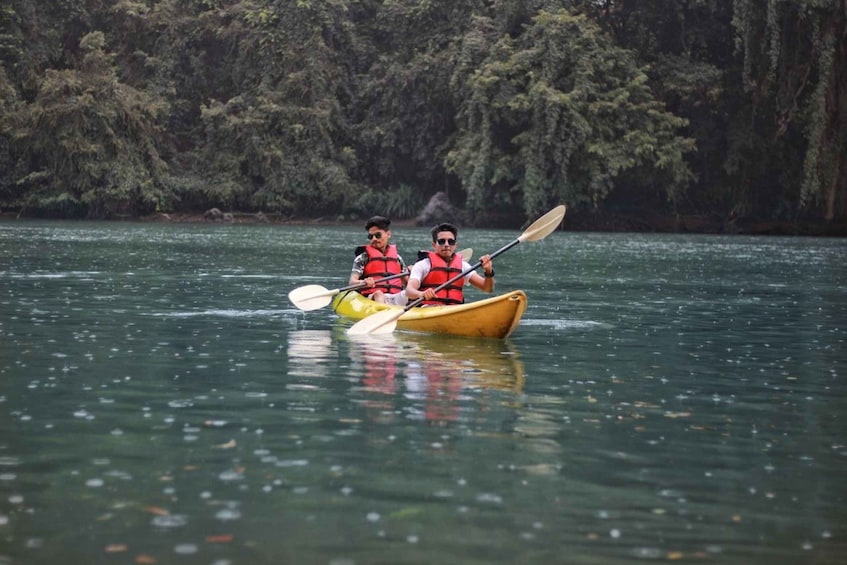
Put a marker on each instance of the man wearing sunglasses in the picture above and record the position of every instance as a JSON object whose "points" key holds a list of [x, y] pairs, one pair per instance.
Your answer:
{"points": [[441, 265], [377, 260]]}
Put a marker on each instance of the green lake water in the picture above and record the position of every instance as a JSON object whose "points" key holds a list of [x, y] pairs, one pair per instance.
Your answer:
{"points": [[665, 398]]}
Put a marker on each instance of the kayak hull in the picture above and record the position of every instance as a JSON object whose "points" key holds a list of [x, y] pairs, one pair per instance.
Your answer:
{"points": [[495, 317]]}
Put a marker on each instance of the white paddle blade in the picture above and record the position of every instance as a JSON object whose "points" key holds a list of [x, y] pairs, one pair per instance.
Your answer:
{"points": [[545, 225], [311, 297], [380, 323], [466, 254]]}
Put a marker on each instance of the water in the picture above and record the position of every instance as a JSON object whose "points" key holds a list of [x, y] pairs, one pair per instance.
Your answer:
{"points": [[665, 398]]}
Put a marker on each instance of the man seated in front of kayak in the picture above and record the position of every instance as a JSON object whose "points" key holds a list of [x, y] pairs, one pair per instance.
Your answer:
{"points": [[378, 260], [441, 265]]}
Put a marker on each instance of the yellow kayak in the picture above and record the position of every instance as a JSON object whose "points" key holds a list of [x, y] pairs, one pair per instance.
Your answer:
{"points": [[492, 317]]}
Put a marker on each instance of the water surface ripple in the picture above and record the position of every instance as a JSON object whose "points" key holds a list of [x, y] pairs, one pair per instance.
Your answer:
{"points": [[666, 397]]}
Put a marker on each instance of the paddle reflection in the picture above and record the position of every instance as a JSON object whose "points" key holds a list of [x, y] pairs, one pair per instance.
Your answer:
{"points": [[310, 353], [431, 378]]}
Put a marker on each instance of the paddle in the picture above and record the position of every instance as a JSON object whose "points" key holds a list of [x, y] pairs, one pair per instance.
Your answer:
{"points": [[314, 296], [386, 320]]}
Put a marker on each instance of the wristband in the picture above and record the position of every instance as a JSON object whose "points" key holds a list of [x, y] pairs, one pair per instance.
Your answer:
{"points": [[489, 275]]}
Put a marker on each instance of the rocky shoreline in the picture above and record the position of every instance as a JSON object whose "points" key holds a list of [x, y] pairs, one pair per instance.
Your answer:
{"points": [[601, 222], [578, 222]]}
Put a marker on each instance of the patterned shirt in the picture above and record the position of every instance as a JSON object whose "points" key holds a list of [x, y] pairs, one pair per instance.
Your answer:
{"points": [[360, 260]]}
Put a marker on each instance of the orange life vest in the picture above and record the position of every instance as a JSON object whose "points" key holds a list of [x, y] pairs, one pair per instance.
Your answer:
{"points": [[378, 266], [439, 273]]}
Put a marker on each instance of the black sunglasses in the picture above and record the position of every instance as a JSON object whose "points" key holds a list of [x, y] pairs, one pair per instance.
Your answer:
{"points": [[442, 241], [377, 235]]}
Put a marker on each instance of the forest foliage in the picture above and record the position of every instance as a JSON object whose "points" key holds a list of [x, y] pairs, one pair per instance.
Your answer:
{"points": [[300, 107]]}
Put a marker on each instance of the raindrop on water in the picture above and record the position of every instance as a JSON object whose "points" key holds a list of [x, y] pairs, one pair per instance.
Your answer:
{"points": [[185, 549], [169, 521], [227, 514]]}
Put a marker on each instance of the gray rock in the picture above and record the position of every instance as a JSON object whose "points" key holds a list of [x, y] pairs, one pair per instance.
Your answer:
{"points": [[213, 214], [439, 209]]}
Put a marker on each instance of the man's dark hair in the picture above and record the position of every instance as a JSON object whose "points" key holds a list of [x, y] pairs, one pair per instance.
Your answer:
{"points": [[444, 227], [379, 221]]}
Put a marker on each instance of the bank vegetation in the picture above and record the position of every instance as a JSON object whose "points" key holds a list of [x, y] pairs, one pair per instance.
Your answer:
{"points": [[681, 113]]}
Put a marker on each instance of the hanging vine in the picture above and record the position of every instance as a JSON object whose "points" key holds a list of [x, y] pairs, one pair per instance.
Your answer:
{"points": [[812, 183], [791, 51]]}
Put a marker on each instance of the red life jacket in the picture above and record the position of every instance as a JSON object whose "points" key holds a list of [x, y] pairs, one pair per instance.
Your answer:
{"points": [[439, 273], [378, 266]]}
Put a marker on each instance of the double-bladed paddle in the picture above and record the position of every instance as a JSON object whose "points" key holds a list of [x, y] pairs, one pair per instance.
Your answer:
{"points": [[314, 296], [385, 321]]}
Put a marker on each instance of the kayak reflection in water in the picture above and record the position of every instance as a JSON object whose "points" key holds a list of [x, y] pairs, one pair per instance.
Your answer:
{"points": [[441, 265], [427, 378]]}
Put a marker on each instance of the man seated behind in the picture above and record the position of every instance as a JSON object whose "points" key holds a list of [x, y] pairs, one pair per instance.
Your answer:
{"points": [[443, 264], [377, 260]]}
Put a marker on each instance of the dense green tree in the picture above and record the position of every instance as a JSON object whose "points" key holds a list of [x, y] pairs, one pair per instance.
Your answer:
{"points": [[794, 75], [35, 36], [767, 109], [354, 106], [261, 91], [89, 143], [557, 114], [684, 50], [10, 108], [404, 108]]}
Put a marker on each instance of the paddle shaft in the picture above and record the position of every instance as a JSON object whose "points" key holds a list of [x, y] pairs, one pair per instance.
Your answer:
{"points": [[360, 284], [473, 268]]}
